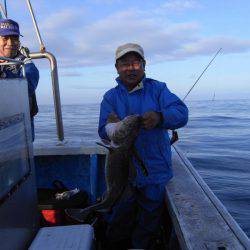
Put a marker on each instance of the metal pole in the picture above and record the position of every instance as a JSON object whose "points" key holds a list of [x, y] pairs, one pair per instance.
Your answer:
{"points": [[2, 11], [56, 91], [42, 47], [5, 7]]}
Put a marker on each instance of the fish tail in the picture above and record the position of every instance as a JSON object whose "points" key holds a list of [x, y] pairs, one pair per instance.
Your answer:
{"points": [[79, 215]]}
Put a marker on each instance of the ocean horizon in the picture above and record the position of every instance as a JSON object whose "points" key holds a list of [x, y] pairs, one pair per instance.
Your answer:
{"points": [[212, 99]]}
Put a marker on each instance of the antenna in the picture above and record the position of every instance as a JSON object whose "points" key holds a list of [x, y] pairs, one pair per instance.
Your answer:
{"points": [[5, 7], [2, 11], [42, 47]]}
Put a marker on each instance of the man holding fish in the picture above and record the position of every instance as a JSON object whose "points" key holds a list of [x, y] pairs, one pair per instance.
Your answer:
{"points": [[137, 214]]}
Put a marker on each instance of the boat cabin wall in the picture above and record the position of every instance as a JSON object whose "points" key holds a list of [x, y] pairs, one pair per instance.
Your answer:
{"points": [[18, 201], [83, 171]]}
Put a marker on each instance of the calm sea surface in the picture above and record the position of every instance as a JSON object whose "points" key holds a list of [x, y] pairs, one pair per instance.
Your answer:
{"points": [[216, 141]]}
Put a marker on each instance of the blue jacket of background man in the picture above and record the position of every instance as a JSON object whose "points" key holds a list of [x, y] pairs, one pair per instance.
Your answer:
{"points": [[152, 145]]}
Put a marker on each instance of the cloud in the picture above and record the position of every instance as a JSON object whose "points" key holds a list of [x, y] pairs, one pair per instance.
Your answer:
{"points": [[77, 42], [105, 1], [64, 20], [180, 5], [228, 45]]}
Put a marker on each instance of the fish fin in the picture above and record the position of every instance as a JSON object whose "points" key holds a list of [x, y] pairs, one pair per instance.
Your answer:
{"points": [[104, 143], [107, 144]]}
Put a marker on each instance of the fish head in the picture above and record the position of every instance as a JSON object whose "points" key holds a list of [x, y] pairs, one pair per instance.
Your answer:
{"points": [[127, 131]]}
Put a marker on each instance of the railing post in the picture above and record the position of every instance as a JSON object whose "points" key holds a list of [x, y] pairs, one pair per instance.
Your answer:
{"points": [[56, 91]]}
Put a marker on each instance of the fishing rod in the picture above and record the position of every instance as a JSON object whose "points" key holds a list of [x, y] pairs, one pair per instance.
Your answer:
{"points": [[201, 74], [174, 133]]}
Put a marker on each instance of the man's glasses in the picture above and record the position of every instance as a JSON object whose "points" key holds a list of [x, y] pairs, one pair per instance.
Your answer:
{"points": [[127, 65]]}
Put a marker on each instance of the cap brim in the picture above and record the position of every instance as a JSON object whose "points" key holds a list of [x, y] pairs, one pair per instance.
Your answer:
{"points": [[128, 50], [9, 33]]}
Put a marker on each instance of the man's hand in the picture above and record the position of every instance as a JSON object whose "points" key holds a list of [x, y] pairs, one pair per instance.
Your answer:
{"points": [[111, 125], [151, 119], [112, 118]]}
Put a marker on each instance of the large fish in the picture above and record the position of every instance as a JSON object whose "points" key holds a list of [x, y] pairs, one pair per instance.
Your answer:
{"points": [[119, 167]]}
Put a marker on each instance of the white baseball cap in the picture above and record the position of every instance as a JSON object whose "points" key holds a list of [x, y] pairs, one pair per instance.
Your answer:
{"points": [[128, 47]]}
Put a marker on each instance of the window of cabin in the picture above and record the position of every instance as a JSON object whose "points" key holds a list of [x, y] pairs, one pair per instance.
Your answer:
{"points": [[14, 159]]}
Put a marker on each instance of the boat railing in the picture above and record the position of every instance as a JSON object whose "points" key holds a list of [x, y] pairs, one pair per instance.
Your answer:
{"points": [[210, 196], [56, 91], [10, 61]]}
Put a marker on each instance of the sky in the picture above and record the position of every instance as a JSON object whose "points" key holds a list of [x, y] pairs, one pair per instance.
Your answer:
{"points": [[179, 38]]}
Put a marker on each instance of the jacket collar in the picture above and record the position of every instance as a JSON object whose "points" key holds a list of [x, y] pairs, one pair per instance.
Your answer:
{"points": [[123, 87]]}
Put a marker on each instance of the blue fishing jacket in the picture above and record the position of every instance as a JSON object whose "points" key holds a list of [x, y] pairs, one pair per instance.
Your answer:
{"points": [[153, 146]]}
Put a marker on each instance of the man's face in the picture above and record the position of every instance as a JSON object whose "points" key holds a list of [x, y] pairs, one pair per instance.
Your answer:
{"points": [[9, 46], [131, 69]]}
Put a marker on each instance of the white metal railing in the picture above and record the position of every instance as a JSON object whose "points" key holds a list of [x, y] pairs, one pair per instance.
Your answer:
{"points": [[10, 61]]}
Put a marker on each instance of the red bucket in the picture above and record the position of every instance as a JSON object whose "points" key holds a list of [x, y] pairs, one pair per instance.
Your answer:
{"points": [[52, 217]]}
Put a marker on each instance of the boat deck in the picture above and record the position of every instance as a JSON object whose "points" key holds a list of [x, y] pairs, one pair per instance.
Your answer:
{"points": [[200, 220]]}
